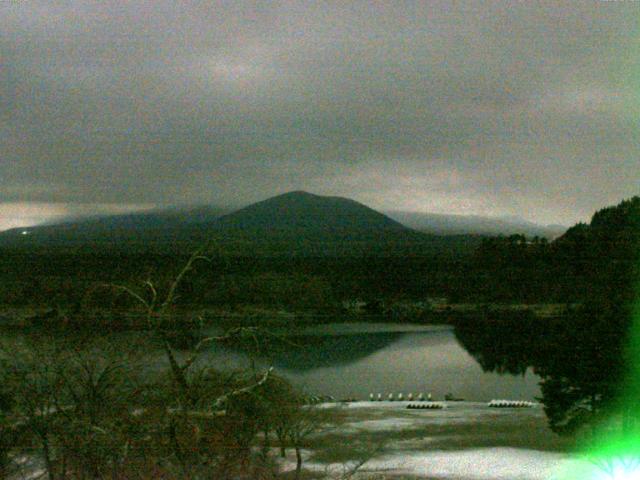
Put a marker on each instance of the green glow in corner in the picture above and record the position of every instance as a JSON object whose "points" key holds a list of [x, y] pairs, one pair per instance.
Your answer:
{"points": [[615, 452]]}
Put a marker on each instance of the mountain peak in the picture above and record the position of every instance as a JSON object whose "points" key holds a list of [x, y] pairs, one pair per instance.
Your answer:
{"points": [[303, 195], [303, 211], [296, 222], [297, 193]]}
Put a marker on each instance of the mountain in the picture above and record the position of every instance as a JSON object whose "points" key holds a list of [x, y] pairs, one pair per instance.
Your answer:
{"points": [[305, 213], [294, 223], [303, 223], [132, 230], [612, 238], [442, 224], [161, 218]]}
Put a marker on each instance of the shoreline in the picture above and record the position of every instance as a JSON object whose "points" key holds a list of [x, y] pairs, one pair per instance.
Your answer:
{"points": [[128, 319], [465, 441]]}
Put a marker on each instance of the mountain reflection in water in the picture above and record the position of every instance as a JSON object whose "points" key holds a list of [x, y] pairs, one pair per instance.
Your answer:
{"points": [[351, 361]]}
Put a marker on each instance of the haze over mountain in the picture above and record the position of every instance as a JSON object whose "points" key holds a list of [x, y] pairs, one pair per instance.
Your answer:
{"points": [[443, 224], [293, 222], [171, 217], [166, 217], [151, 227]]}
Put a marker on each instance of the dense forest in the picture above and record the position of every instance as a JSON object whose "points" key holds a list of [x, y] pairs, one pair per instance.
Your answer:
{"points": [[589, 259], [586, 358], [599, 258]]}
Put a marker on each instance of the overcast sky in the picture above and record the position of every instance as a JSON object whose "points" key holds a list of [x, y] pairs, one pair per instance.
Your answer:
{"points": [[487, 108]]}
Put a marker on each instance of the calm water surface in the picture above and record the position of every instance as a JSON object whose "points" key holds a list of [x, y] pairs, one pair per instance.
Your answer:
{"points": [[350, 360], [353, 360]]}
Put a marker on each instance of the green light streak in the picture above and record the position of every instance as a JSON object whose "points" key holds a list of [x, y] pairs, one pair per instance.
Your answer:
{"points": [[615, 452]]}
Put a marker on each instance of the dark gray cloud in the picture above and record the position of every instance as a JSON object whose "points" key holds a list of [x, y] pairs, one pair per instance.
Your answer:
{"points": [[498, 108]]}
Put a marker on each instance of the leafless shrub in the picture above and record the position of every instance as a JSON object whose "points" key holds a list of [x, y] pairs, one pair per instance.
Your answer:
{"points": [[87, 412]]}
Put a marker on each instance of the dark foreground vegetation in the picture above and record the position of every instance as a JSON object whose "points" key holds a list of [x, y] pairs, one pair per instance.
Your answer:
{"points": [[91, 411], [580, 357], [85, 408]]}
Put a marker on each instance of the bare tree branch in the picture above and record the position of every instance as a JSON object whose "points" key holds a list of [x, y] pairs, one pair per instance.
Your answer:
{"points": [[222, 400]]}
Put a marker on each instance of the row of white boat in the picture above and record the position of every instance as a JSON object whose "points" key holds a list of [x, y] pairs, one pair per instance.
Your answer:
{"points": [[510, 404], [426, 406], [400, 397], [427, 401], [421, 398]]}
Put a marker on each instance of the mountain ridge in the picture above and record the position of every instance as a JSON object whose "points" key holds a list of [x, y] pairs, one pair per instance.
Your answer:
{"points": [[294, 221], [455, 224]]}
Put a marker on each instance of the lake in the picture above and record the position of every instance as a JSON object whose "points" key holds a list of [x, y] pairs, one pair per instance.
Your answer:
{"points": [[344, 360], [352, 360]]}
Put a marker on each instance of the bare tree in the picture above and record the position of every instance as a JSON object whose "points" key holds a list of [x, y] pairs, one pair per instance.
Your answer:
{"points": [[33, 377], [93, 415], [157, 317]]}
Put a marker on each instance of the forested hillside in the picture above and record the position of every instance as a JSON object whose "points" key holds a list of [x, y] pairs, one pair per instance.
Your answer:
{"points": [[596, 259]]}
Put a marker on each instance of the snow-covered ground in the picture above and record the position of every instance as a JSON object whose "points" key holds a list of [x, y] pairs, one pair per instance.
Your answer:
{"points": [[464, 441], [477, 464]]}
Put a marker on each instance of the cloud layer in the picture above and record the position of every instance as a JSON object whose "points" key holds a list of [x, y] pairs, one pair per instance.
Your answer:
{"points": [[497, 108]]}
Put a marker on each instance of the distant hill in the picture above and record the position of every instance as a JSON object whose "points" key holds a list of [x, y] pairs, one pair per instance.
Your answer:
{"points": [[134, 230], [294, 223], [303, 223], [603, 256], [305, 213], [611, 238], [598, 260], [618, 223], [442, 224], [161, 218]]}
